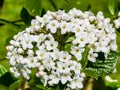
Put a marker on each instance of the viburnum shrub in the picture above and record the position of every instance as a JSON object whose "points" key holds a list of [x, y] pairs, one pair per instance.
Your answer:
{"points": [[64, 48]]}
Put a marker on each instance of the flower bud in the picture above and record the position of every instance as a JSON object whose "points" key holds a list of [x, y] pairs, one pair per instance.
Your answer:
{"points": [[20, 50], [9, 48]]}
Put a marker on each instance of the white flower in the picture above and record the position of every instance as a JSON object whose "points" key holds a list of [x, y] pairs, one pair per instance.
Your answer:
{"points": [[51, 45], [117, 23], [15, 43], [76, 82], [92, 38], [54, 77], [32, 62], [41, 54], [101, 46], [30, 53], [18, 36], [40, 38], [65, 17], [64, 56], [49, 64], [40, 46], [52, 26], [62, 67], [65, 27], [50, 37], [55, 54], [75, 21], [77, 52], [26, 73], [100, 16], [40, 73], [15, 71], [78, 29], [92, 18], [23, 70], [44, 20], [65, 77], [45, 77], [27, 41], [35, 26], [92, 56], [13, 58], [82, 39], [20, 50], [113, 46], [76, 67], [10, 48]]}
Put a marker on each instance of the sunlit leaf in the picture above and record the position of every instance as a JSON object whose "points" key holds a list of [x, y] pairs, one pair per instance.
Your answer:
{"points": [[111, 6], [15, 85], [34, 7], [40, 87], [2, 87], [3, 70], [113, 82], [100, 67]]}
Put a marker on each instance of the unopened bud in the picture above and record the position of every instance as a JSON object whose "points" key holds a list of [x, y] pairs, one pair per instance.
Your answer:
{"points": [[20, 50], [17, 44], [10, 48], [41, 68], [12, 42]]}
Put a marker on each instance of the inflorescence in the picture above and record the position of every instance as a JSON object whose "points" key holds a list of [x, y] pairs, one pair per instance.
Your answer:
{"points": [[54, 45]]}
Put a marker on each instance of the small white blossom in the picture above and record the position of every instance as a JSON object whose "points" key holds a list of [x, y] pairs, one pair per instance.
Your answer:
{"points": [[65, 77], [92, 56], [41, 54], [64, 56], [77, 52], [51, 45], [52, 26], [63, 67], [64, 27], [76, 83], [54, 77]]}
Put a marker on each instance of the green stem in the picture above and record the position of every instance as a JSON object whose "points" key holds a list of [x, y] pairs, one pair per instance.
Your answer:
{"points": [[2, 22], [3, 58]]}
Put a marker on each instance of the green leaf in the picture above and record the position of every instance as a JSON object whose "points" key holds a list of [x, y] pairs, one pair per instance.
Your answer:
{"points": [[100, 67], [34, 7], [15, 85], [6, 79], [25, 16], [114, 83], [84, 60], [91, 72], [52, 2], [3, 70], [2, 87], [111, 6], [41, 87]]}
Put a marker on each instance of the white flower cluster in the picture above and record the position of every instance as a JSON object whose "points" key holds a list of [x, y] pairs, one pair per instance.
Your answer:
{"points": [[44, 45], [117, 21]]}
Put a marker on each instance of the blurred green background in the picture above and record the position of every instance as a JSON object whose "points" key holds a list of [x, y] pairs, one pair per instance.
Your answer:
{"points": [[11, 10]]}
